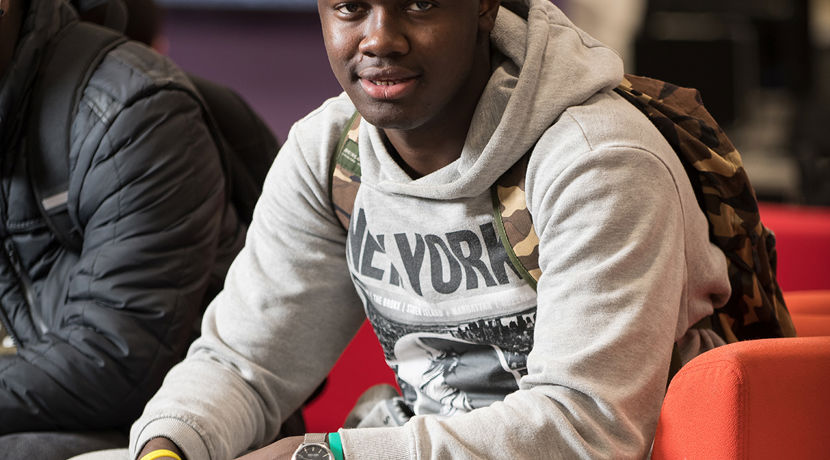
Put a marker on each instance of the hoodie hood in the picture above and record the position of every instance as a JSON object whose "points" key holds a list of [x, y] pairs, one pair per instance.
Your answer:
{"points": [[542, 64]]}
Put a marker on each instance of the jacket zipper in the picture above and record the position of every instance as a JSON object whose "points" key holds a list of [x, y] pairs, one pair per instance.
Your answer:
{"points": [[8, 246], [23, 276], [7, 325], [11, 251]]}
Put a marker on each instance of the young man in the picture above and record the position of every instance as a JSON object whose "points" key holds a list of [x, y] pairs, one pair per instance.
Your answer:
{"points": [[452, 93], [89, 333]]}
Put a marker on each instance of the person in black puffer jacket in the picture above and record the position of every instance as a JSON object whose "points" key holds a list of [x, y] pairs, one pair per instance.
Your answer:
{"points": [[88, 336]]}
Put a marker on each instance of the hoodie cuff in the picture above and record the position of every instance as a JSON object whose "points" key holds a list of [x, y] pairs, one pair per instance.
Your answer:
{"points": [[377, 444], [183, 435]]}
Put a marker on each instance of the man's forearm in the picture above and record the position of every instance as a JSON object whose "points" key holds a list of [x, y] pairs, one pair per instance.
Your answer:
{"points": [[161, 444]]}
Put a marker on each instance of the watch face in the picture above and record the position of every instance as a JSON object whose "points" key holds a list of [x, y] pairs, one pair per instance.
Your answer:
{"points": [[313, 452]]}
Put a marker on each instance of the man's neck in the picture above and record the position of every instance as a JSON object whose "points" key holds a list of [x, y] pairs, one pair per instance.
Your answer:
{"points": [[10, 24], [427, 150]]}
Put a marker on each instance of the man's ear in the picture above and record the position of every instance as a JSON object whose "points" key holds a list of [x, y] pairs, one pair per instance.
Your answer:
{"points": [[487, 11]]}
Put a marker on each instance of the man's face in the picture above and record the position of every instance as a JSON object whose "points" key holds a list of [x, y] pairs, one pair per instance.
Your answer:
{"points": [[405, 63]]}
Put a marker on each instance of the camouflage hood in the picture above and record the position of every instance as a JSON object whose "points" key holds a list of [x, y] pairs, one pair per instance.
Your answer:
{"points": [[542, 65]]}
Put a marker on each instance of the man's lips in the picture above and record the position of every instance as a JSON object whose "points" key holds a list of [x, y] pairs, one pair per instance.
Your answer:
{"points": [[387, 84]]}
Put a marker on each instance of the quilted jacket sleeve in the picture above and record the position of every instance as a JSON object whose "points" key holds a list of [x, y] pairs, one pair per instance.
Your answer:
{"points": [[151, 198]]}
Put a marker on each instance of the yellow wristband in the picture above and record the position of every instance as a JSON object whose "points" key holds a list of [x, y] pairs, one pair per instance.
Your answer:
{"points": [[159, 453]]}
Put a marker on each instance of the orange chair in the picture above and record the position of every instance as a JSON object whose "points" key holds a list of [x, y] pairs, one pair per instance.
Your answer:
{"points": [[810, 311], [760, 399]]}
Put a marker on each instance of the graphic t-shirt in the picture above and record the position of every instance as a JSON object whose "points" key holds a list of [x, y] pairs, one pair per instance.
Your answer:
{"points": [[454, 318]]}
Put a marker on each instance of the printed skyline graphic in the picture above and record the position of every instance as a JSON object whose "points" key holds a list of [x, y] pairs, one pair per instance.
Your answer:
{"points": [[457, 367]]}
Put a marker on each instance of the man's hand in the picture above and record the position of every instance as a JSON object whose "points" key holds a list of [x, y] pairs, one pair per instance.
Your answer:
{"points": [[161, 443], [280, 450]]}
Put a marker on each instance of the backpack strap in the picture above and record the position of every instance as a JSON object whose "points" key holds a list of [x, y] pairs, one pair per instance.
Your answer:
{"points": [[73, 55], [514, 223], [345, 172], [510, 214]]}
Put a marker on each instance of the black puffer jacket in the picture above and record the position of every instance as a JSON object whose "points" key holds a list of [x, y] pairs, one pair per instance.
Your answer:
{"points": [[97, 330]]}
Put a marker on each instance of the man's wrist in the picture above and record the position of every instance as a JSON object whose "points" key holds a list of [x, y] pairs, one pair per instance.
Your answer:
{"points": [[161, 444], [161, 454]]}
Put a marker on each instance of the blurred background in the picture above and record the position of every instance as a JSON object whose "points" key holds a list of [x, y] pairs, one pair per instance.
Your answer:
{"points": [[763, 68]]}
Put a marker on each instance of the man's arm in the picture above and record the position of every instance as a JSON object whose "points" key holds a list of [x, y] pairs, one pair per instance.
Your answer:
{"points": [[161, 444], [151, 203], [269, 338], [280, 450]]}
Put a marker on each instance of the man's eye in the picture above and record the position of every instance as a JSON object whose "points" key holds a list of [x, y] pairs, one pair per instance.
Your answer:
{"points": [[420, 6], [348, 8]]}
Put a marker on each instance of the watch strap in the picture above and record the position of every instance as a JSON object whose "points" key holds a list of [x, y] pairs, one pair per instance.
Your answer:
{"points": [[315, 438]]}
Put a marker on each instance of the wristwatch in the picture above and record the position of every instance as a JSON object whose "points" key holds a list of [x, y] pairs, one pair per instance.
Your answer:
{"points": [[314, 447]]}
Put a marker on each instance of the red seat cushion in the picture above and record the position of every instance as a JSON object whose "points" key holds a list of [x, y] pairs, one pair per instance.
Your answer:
{"points": [[361, 366], [761, 399], [803, 241], [810, 311]]}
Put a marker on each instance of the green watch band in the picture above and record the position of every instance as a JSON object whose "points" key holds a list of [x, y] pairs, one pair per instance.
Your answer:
{"points": [[336, 445]]}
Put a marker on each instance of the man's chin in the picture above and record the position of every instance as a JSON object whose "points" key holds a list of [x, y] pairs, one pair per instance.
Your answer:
{"points": [[389, 118]]}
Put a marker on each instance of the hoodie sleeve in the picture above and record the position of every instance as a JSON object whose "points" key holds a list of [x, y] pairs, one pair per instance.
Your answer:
{"points": [[152, 202], [612, 255], [287, 311]]}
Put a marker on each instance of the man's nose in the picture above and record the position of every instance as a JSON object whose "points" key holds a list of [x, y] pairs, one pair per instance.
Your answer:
{"points": [[384, 36]]}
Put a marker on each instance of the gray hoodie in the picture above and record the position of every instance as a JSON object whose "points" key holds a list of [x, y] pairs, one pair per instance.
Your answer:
{"points": [[489, 367]]}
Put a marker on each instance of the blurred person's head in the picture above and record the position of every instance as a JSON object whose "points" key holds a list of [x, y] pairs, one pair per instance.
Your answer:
{"points": [[11, 19], [140, 20], [110, 13], [145, 20]]}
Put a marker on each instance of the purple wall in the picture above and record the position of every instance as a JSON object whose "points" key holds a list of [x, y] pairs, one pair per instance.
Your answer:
{"points": [[275, 60]]}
